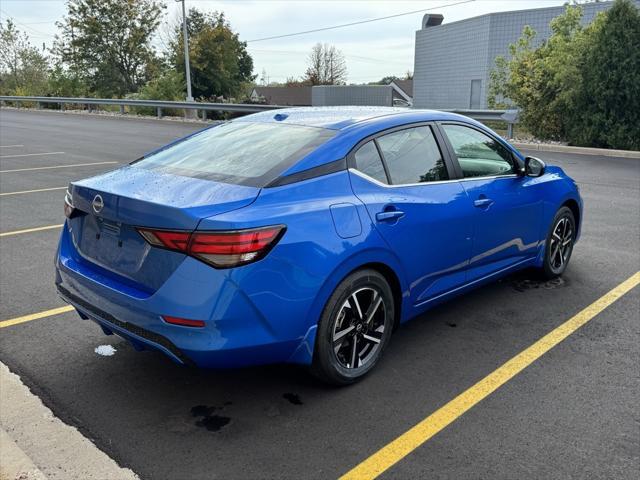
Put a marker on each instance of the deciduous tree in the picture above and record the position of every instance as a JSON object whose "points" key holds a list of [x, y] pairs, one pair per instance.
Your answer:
{"points": [[326, 66], [220, 63], [582, 84], [108, 42], [23, 69]]}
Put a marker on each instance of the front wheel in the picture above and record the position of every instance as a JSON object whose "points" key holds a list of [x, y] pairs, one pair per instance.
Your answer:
{"points": [[559, 245], [354, 329]]}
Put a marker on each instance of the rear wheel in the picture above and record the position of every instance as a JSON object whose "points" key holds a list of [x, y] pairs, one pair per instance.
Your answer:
{"points": [[559, 244], [354, 329]]}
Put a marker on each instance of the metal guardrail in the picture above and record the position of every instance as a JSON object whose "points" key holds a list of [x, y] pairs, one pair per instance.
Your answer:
{"points": [[159, 105], [510, 117]]}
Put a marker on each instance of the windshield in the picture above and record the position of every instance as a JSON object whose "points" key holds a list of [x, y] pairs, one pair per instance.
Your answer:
{"points": [[238, 152]]}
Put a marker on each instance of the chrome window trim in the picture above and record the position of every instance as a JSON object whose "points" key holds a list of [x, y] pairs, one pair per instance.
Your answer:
{"points": [[422, 184]]}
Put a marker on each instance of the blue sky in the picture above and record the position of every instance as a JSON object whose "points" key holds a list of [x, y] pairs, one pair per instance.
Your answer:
{"points": [[372, 50]]}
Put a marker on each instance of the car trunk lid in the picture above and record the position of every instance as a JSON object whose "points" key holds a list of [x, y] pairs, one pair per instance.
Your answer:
{"points": [[111, 206]]}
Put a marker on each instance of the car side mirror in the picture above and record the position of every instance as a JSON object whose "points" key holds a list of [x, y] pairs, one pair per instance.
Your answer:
{"points": [[534, 167]]}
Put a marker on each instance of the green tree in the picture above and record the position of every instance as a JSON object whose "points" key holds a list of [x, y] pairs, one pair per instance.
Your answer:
{"points": [[582, 84], [541, 81], [23, 69], [168, 86], [607, 105], [219, 61], [63, 83], [108, 43]]}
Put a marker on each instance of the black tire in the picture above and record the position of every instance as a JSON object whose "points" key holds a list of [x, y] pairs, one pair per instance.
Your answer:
{"points": [[559, 243], [346, 347]]}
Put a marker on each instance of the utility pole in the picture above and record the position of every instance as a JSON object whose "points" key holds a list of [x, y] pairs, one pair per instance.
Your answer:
{"points": [[186, 52]]}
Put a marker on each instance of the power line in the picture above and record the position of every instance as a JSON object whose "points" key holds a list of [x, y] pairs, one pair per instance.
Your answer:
{"points": [[360, 22], [40, 33], [347, 55]]}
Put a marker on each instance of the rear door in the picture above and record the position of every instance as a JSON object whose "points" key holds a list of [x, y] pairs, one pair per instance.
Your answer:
{"points": [[405, 181], [508, 209]]}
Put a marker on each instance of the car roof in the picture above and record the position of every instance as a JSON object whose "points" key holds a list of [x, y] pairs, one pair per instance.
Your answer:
{"points": [[352, 124], [343, 117]]}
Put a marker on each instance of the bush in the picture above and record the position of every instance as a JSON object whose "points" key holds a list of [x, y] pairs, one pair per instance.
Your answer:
{"points": [[581, 85], [169, 86], [606, 110]]}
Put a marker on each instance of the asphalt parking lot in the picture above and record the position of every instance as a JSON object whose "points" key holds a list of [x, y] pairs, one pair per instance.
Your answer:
{"points": [[572, 413]]}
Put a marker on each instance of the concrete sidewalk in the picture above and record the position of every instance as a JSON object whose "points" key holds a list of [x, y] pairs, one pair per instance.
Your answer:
{"points": [[35, 445]]}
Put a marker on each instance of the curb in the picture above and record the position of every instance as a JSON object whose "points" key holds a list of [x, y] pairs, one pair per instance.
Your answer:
{"points": [[604, 152], [36, 445], [14, 463]]}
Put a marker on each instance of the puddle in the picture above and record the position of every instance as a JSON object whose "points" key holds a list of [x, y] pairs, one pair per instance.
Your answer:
{"points": [[529, 284], [212, 422], [293, 398], [105, 350]]}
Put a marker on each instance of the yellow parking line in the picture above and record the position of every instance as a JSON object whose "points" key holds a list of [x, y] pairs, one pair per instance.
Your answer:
{"points": [[35, 316], [54, 166], [30, 230], [406, 443], [32, 191]]}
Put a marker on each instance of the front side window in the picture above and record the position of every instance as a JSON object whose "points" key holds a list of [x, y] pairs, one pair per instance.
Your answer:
{"points": [[368, 161], [479, 155], [238, 152], [412, 156]]}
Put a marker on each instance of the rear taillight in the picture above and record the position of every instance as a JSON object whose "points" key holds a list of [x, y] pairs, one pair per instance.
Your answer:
{"points": [[222, 249], [68, 205]]}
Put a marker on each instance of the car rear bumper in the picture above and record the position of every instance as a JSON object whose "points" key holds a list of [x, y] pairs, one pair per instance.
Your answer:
{"points": [[235, 334]]}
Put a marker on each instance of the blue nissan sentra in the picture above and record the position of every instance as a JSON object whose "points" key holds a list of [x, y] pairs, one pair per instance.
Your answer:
{"points": [[306, 235]]}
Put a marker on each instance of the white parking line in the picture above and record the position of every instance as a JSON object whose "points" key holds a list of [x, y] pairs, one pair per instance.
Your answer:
{"points": [[31, 154], [55, 166], [11, 146], [32, 191]]}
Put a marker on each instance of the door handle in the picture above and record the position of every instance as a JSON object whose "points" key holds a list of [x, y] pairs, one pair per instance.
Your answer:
{"points": [[483, 202], [389, 216]]}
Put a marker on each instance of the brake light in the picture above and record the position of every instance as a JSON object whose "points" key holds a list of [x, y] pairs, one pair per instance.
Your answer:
{"points": [[167, 239], [222, 249], [68, 205]]}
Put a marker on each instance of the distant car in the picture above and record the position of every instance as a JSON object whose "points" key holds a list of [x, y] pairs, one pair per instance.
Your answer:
{"points": [[306, 235]]}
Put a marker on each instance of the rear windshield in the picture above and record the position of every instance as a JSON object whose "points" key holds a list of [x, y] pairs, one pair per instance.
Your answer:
{"points": [[238, 152]]}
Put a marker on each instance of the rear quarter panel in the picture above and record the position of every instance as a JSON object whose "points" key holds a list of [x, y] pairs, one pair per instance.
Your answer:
{"points": [[291, 285]]}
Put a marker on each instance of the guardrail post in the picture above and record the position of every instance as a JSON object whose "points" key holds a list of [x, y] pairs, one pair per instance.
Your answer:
{"points": [[159, 112], [62, 106], [204, 115], [39, 105], [509, 130], [121, 109]]}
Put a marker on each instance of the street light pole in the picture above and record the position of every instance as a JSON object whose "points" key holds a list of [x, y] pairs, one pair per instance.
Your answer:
{"points": [[186, 52]]}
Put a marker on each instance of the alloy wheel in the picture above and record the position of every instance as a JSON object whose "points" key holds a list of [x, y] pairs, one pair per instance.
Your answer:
{"points": [[561, 244], [359, 328]]}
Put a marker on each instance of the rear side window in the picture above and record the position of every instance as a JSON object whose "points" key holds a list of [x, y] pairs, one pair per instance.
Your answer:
{"points": [[412, 156], [479, 155], [239, 152], [368, 161]]}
